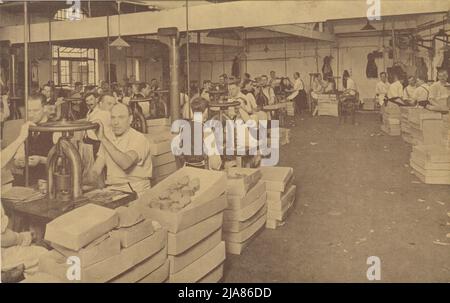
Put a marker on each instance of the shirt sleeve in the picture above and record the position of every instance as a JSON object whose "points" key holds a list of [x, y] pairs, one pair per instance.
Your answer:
{"points": [[141, 146], [4, 220]]}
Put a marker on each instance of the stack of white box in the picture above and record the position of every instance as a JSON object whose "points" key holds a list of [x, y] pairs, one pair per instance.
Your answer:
{"points": [[246, 211], [425, 127], [391, 119], [280, 194], [194, 242], [327, 105], [134, 251], [431, 163], [160, 138]]}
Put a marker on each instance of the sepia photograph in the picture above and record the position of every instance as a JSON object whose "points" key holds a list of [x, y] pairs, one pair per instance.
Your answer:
{"points": [[225, 141]]}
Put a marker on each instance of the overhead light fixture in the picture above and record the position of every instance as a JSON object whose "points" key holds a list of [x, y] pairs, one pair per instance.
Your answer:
{"points": [[368, 27], [119, 43]]}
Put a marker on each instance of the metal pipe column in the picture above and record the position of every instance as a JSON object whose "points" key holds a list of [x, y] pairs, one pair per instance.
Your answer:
{"points": [[174, 62]]}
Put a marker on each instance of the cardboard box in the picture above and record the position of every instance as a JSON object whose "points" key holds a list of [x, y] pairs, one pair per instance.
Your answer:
{"points": [[277, 195], [129, 216], [276, 177], [240, 186], [41, 277], [237, 202], [160, 275], [55, 264], [183, 240], [273, 223], [236, 248], [237, 226], [98, 250], [287, 199], [280, 215], [160, 148], [163, 159], [143, 269], [247, 212], [244, 235], [182, 260], [433, 153], [158, 122], [128, 236], [165, 169], [79, 227], [206, 202], [214, 276], [201, 267]]}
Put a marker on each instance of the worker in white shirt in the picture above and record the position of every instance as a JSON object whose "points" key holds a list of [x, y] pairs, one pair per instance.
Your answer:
{"points": [[126, 155], [267, 89], [439, 93], [408, 91], [382, 88], [395, 91], [98, 110], [298, 94], [422, 93]]}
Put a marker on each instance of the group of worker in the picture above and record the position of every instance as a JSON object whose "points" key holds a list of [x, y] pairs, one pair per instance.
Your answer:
{"points": [[416, 93]]}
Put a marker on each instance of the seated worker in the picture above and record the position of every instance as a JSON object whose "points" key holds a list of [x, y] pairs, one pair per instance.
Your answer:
{"points": [[154, 85], [439, 93], [274, 81], [53, 103], [98, 110], [382, 88], [39, 144], [78, 90], [318, 87], [267, 89], [223, 82], [395, 91], [144, 93], [246, 107], [421, 94], [200, 105], [18, 256], [204, 92], [330, 86], [126, 155], [408, 91]]}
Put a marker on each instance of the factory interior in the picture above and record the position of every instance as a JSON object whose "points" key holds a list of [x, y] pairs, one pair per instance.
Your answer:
{"points": [[225, 141]]}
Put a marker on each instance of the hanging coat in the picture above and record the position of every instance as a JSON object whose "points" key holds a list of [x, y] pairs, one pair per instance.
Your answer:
{"points": [[371, 69], [235, 68]]}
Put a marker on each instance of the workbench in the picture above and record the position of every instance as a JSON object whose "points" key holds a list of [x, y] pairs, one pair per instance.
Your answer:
{"points": [[34, 215]]}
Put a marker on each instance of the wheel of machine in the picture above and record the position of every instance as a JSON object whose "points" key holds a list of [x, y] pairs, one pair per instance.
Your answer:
{"points": [[64, 126]]}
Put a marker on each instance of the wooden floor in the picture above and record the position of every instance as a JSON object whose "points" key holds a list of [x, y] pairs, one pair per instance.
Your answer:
{"points": [[356, 197]]}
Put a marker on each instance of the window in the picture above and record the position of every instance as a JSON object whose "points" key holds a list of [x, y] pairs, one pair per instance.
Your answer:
{"points": [[133, 68], [71, 13], [72, 65]]}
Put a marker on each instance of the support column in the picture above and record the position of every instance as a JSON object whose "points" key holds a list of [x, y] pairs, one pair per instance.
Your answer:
{"points": [[170, 36]]}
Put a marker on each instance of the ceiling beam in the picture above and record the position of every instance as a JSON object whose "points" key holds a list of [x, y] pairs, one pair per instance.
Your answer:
{"points": [[300, 31], [246, 14]]}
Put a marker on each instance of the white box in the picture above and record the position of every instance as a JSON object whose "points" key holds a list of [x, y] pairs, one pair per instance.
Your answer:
{"points": [[79, 227], [183, 240], [182, 260], [247, 212], [236, 202], [98, 250], [240, 186], [128, 236], [245, 234], [214, 276], [55, 264], [276, 178], [201, 267], [160, 275], [143, 269], [287, 198], [237, 226]]}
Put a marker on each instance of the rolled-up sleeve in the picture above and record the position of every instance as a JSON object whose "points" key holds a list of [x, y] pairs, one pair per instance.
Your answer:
{"points": [[141, 146]]}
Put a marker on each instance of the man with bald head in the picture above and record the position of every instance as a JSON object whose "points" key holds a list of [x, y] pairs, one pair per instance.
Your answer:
{"points": [[126, 155]]}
